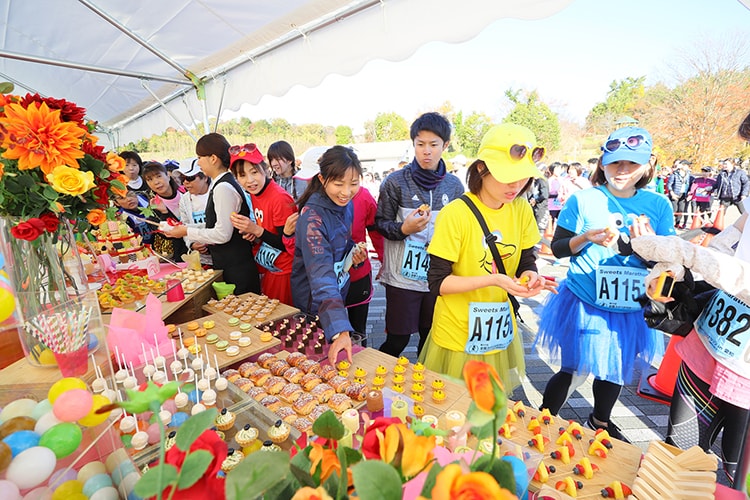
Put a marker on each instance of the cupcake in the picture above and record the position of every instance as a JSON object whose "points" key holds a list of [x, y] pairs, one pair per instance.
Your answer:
{"points": [[279, 432], [225, 420], [246, 436]]}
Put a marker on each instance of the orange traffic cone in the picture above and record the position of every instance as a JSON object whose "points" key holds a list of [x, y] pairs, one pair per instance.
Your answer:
{"points": [[719, 220], [547, 239], [666, 377], [697, 222]]}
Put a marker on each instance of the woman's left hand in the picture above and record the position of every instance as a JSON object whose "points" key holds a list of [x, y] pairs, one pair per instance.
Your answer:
{"points": [[641, 227], [536, 283]]}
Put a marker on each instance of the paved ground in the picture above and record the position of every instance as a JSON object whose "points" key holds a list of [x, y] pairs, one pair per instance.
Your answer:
{"points": [[642, 420]]}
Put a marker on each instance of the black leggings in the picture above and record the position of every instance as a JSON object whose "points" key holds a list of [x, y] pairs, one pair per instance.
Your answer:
{"points": [[697, 416], [559, 388], [394, 345]]}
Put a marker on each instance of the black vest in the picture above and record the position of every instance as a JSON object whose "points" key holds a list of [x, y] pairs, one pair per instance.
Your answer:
{"points": [[237, 250]]}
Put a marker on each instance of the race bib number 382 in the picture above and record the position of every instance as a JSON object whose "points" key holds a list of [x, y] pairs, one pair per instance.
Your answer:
{"points": [[725, 325], [619, 287]]}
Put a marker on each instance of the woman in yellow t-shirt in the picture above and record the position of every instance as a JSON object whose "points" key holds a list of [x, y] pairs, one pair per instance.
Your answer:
{"points": [[473, 317]]}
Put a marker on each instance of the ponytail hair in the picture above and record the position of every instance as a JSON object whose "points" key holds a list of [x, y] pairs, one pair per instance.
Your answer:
{"points": [[334, 164]]}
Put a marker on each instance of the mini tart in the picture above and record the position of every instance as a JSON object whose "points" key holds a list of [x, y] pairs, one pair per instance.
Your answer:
{"points": [[244, 341], [418, 410], [232, 350], [381, 370], [358, 380], [343, 373], [438, 384], [266, 337], [343, 365], [360, 372], [418, 368], [397, 388], [398, 378], [225, 420], [222, 345], [403, 360], [438, 395], [399, 369], [279, 432], [208, 324], [378, 382], [417, 396], [246, 436], [233, 321], [235, 335], [417, 377], [193, 325], [269, 445], [417, 387], [234, 457], [212, 339], [170, 441]]}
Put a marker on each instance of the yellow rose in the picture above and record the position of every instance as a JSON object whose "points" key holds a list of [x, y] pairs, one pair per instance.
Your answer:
{"points": [[70, 181]]}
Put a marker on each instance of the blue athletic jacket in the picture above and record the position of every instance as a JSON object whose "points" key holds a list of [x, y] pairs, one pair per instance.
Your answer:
{"points": [[319, 284]]}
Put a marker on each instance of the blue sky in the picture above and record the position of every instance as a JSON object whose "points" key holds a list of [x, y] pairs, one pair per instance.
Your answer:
{"points": [[570, 58]]}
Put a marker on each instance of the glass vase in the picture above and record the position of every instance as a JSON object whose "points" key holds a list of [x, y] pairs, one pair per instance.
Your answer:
{"points": [[57, 310]]}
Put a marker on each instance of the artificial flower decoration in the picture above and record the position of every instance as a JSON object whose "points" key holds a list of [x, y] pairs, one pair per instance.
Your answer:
{"points": [[308, 493], [97, 217], [210, 485], [484, 386], [401, 447], [51, 166], [325, 458]]}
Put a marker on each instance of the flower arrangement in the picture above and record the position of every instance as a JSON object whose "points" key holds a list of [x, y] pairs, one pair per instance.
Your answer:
{"points": [[51, 168], [391, 455]]}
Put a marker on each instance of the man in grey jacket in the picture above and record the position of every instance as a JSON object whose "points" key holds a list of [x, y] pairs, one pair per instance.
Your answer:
{"points": [[732, 185]]}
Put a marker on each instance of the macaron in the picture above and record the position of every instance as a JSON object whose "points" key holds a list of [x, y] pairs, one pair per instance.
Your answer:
{"points": [[233, 321], [266, 337], [200, 332], [244, 341], [212, 339], [222, 345], [208, 324], [193, 325], [235, 335], [233, 350], [245, 327]]}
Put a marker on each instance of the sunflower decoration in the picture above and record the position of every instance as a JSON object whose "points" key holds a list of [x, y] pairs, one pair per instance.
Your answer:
{"points": [[51, 167]]}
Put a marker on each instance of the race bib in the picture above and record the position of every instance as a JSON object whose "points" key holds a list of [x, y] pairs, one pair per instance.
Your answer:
{"points": [[266, 256], [416, 261], [199, 216], [724, 325], [619, 287], [490, 327], [342, 276]]}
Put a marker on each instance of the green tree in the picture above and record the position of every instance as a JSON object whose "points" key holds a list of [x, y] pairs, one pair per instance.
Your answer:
{"points": [[344, 134], [531, 112], [390, 127], [622, 100], [468, 132]]}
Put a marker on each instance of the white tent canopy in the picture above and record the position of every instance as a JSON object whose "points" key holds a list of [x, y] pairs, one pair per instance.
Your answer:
{"points": [[138, 66]]}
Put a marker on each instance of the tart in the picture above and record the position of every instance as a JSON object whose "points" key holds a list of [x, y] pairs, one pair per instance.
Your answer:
{"points": [[279, 432], [246, 436], [398, 378], [438, 384], [360, 372], [418, 368], [378, 382], [417, 377], [225, 420], [399, 369], [343, 365], [234, 457], [417, 387], [381, 370], [403, 361], [438, 395]]}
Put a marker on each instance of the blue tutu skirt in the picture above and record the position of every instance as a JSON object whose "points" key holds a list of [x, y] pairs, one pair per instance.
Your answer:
{"points": [[584, 339]]}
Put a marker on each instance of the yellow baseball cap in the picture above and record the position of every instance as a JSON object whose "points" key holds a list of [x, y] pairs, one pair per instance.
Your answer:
{"points": [[510, 153]]}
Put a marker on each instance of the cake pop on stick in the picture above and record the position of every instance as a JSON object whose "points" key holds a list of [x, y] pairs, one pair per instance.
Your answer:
{"points": [[221, 383], [122, 373], [183, 352], [99, 383], [210, 370], [159, 361], [130, 382], [175, 366]]}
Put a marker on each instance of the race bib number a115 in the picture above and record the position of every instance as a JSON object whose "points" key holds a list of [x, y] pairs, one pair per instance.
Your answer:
{"points": [[619, 287], [490, 327]]}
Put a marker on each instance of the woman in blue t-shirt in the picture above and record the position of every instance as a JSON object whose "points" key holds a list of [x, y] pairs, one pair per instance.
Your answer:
{"points": [[595, 324]]}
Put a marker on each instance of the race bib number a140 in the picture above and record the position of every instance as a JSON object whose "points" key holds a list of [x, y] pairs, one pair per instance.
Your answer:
{"points": [[416, 261], [619, 287], [490, 327]]}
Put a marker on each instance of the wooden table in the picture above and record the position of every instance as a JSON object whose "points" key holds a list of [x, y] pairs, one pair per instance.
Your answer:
{"points": [[223, 329], [621, 463]]}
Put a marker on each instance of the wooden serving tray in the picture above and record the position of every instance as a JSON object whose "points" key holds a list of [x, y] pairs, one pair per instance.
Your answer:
{"points": [[281, 311]]}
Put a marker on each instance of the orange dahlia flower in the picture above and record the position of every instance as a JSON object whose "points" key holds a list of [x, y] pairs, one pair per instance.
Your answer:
{"points": [[36, 137], [453, 484]]}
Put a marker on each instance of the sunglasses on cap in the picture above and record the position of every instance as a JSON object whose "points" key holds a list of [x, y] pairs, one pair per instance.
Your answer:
{"points": [[247, 148], [519, 151], [632, 142]]}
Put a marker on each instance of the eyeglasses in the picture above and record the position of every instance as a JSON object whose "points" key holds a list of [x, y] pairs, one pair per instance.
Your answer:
{"points": [[519, 152], [189, 178], [247, 148], [632, 142]]}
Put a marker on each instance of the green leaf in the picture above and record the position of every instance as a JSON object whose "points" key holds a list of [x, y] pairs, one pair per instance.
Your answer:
{"points": [[194, 427], [300, 466], [501, 470], [376, 480], [352, 456], [478, 417], [328, 426], [193, 468], [257, 475], [6, 87], [49, 193], [149, 485], [431, 479]]}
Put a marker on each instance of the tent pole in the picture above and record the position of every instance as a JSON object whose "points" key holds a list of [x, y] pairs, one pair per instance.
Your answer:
{"points": [[169, 111]]}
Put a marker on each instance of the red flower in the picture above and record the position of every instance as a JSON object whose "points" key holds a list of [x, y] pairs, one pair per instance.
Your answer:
{"points": [[69, 112], [96, 151], [50, 221], [28, 230], [210, 485], [100, 194], [370, 443]]}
